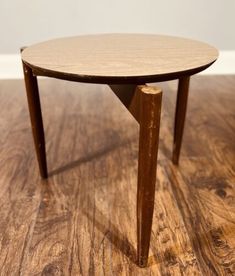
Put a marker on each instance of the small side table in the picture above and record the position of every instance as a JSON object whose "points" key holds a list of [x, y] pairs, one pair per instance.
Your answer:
{"points": [[126, 62]]}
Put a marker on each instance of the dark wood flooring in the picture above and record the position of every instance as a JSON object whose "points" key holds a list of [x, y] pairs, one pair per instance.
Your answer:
{"points": [[82, 221]]}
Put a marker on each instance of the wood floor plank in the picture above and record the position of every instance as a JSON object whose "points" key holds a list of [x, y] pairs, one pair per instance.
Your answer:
{"points": [[204, 185], [82, 220], [207, 205], [19, 182]]}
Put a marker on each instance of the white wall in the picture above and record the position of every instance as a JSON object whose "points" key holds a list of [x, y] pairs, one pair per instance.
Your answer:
{"points": [[24, 22]]}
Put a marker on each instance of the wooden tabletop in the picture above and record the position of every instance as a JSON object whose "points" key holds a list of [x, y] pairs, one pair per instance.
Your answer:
{"points": [[119, 58]]}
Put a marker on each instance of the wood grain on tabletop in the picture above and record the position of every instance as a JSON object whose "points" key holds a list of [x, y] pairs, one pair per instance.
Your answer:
{"points": [[119, 56]]}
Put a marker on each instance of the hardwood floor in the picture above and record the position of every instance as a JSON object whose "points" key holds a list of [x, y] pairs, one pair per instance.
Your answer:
{"points": [[82, 220]]}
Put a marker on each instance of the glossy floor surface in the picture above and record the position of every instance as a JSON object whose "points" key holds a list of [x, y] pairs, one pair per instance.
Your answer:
{"points": [[82, 220]]}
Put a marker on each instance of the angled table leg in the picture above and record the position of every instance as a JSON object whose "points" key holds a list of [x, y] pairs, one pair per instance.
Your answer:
{"points": [[149, 119], [36, 118], [180, 112], [144, 103]]}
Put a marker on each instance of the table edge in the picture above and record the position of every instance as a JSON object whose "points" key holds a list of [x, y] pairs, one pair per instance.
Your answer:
{"points": [[38, 71]]}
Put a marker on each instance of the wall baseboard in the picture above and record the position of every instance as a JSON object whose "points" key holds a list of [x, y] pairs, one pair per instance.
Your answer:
{"points": [[11, 67]]}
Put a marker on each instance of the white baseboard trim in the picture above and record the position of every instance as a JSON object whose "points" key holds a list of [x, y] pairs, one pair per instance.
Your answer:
{"points": [[11, 68], [225, 65]]}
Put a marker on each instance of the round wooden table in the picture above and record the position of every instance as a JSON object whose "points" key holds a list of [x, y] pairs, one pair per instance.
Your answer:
{"points": [[126, 62]]}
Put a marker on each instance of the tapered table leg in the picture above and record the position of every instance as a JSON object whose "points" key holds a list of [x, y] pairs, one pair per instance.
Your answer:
{"points": [[149, 119], [36, 118], [180, 112]]}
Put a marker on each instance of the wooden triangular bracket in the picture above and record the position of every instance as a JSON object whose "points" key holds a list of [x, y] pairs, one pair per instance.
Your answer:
{"points": [[130, 96]]}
